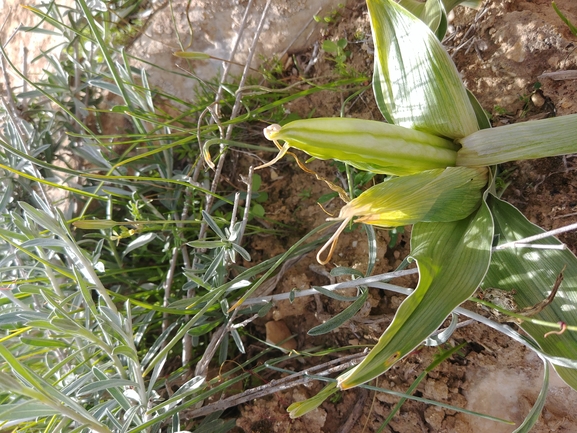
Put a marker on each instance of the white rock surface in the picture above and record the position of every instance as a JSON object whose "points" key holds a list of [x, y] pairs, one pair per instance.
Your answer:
{"points": [[213, 29]]}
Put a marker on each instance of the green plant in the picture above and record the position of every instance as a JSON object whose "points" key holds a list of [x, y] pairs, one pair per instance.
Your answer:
{"points": [[339, 55], [569, 24], [337, 51], [417, 88], [499, 111], [140, 261], [305, 193], [332, 17], [111, 316]]}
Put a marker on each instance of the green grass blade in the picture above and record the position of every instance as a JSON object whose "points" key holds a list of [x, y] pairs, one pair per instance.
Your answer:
{"points": [[564, 19], [338, 319], [535, 412]]}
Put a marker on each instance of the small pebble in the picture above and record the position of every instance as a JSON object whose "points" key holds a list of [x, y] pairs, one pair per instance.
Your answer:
{"points": [[537, 100], [277, 332]]}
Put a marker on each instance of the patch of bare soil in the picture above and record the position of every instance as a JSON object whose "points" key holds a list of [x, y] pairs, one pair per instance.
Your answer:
{"points": [[501, 51]]}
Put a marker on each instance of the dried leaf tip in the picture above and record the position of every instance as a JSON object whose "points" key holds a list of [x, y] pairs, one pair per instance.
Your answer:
{"points": [[269, 133]]}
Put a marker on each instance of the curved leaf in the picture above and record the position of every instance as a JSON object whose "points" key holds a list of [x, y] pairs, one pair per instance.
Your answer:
{"points": [[532, 273], [300, 408], [338, 319], [437, 195], [432, 13], [528, 140], [535, 412], [450, 4], [453, 258], [415, 80]]}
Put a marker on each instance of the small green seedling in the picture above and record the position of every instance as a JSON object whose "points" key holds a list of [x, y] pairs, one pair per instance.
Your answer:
{"points": [[332, 17], [338, 53]]}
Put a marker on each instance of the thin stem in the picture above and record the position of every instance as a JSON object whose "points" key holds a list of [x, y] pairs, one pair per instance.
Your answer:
{"points": [[248, 182], [283, 384], [544, 235], [345, 285]]}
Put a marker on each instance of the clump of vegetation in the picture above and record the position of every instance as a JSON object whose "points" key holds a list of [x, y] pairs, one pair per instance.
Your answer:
{"points": [[119, 295], [120, 266]]}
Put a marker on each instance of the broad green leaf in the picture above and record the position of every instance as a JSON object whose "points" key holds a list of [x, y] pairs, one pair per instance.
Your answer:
{"points": [[416, 7], [368, 145], [532, 273], [378, 91], [416, 80], [450, 4], [528, 140], [452, 258], [432, 13], [481, 115], [440, 195], [434, 195]]}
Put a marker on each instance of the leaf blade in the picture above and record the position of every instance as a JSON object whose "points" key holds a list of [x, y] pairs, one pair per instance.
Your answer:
{"points": [[528, 140], [531, 273], [453, 258], [408, 81]]}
